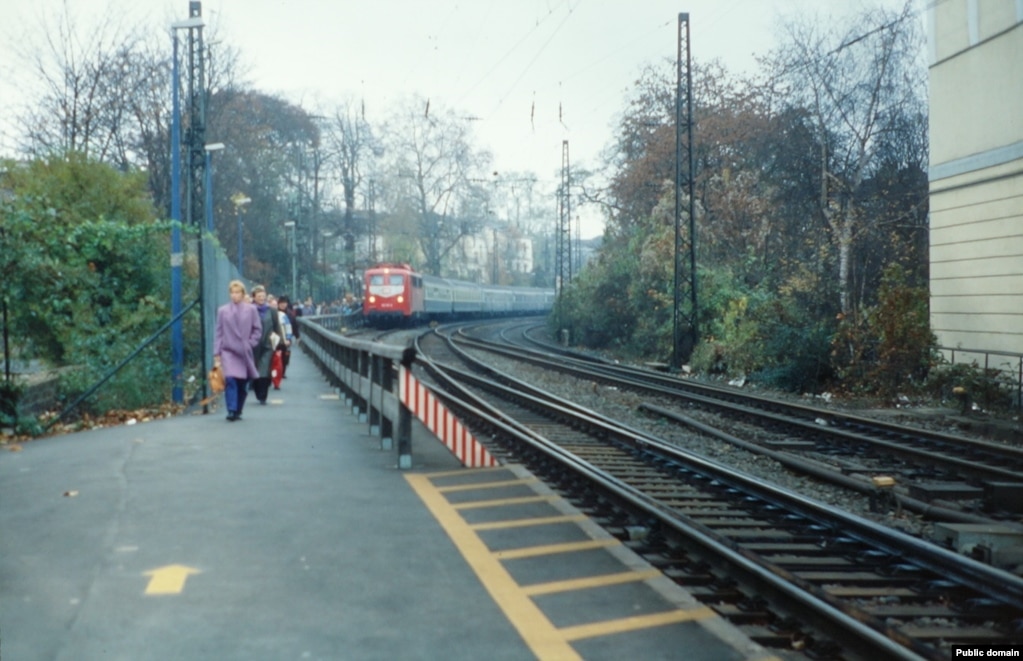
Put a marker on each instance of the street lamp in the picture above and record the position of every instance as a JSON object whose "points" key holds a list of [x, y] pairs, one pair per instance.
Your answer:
{"points": [[177, 335], [294, 274], [204, 332], [240, 202]]}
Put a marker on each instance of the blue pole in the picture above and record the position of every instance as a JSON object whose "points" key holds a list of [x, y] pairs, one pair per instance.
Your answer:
{"points": [[177, 338]]}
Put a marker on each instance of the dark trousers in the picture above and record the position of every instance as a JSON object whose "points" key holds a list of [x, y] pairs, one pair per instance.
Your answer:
{"points": [[285, 359], [235, 392], [261, 387]]}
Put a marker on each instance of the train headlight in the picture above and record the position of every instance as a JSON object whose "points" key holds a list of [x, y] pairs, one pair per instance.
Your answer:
{"points": [[401, 299], [372, 299]]}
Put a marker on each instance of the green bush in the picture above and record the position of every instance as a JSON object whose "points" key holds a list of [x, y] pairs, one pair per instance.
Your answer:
{"points": [[800, 358], [85, 260], [10, 393], [887, 349], [760, 333], [990, 388], [142, 382]]}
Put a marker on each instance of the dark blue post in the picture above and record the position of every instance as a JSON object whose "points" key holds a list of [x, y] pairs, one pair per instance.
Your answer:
{"points": [[177, 339]]}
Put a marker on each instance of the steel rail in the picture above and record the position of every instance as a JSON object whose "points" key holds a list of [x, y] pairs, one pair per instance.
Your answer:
{"points": [[809, 418], [850, 628], [986, 580]]}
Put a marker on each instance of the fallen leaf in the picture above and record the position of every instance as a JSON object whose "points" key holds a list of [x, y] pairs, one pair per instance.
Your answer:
{"points": [[70, 494]]}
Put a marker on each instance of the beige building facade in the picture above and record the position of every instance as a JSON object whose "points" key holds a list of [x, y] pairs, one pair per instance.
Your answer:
{"points": [[976, 176]]}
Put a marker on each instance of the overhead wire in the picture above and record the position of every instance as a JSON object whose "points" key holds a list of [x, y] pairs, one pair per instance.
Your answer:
{"points": [[536, 56], [607, 95], [477, 33], [581, 70], [538, 100], [610, 95], [427, 62], [536, 26]]}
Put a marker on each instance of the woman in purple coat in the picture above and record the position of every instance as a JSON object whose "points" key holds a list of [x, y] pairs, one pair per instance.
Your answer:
{"points": [[238, 331]]}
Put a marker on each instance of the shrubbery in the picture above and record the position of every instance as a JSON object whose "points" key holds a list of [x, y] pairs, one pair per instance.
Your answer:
{"points": [[967, 384], [762, 333], [888, 349], [86, 276]]}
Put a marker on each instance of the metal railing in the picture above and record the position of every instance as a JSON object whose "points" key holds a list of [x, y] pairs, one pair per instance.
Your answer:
{"points": [[1013, 367], [365, 373]]}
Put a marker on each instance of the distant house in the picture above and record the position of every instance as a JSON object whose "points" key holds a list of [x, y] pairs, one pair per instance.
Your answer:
{"points": [[495, 255]]}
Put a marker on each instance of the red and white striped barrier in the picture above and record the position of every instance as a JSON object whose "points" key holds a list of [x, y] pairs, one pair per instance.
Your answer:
{"points": [[444, 425]]}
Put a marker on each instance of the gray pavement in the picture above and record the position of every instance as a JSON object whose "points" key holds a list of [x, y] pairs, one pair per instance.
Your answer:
{"points": [[287, 535]]}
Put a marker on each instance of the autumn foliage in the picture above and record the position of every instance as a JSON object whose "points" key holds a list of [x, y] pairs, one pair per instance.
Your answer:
{"points": [[811, 206]]}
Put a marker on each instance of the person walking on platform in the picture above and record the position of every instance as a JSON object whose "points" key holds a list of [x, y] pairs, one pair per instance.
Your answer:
{"points": [[286, 324], [294, 311], [264, 350], [237, 333]]}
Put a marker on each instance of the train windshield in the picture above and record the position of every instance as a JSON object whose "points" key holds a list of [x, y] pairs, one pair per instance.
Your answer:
{"points": [[394, 280]]}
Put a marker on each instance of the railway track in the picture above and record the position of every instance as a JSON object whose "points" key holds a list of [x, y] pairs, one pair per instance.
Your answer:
{"points": [[793, 573], [958, 478]]}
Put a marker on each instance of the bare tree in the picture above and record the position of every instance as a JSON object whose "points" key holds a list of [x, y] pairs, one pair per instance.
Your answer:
{"points": [[76, 82], [857, 87], [517, 199], [104, 90], [431, 152], [351, 143]]}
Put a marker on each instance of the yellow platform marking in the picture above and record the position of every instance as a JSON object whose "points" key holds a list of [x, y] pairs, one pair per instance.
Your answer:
{"points": [[169, 579], [590, 582], [461, 472], [484, 485], [542, 638], [504, 502], [551, 549], [633, 623], [527, 523]]}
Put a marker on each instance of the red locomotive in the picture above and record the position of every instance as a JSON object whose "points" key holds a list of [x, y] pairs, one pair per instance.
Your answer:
{"points": [[395, 294]]}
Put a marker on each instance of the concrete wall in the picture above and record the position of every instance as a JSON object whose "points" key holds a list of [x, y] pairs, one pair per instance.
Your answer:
{"points": [[976, 173]]}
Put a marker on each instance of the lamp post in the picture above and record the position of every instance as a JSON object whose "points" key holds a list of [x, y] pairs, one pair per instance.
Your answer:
{"points": [[240, 202], [328, 290], [177, 335], [209, 149], [204, 333], [294, 274]]}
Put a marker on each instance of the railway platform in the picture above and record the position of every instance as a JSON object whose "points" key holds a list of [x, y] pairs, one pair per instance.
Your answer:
{"points": [[291, 535]]}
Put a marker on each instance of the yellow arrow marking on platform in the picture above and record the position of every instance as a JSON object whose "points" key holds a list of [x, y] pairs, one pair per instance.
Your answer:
{"points": [[168, 580]]}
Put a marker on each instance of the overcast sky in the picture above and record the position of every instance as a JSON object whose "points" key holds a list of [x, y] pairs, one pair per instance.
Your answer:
{"points": [[531, 73]]}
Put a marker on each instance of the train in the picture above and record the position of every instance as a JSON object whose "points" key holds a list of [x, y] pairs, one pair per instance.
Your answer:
{"points": [[395, 294]]}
